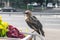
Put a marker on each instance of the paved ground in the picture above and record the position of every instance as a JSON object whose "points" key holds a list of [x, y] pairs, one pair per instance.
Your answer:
{"points": [[47, 10], [52, 34], [51, 24], [40, 12]]}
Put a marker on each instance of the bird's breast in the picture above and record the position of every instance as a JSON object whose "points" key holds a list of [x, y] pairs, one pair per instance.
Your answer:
{"points": [[26, 17]]}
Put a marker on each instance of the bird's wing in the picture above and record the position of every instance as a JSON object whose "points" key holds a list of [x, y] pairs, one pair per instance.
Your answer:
{"points": [[35, 22], [33, 19], [31, 25]]}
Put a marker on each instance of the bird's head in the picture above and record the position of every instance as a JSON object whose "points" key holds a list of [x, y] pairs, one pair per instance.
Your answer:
{"points": [[28, 13]]}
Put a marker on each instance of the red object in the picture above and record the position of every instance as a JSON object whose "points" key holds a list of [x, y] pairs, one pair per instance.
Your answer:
{"points": [[14, 32]]}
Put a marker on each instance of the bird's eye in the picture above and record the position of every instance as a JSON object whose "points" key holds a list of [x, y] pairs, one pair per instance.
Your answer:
{"points": [[26, 13]]}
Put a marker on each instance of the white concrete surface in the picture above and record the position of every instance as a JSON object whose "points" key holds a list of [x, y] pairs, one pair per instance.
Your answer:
{"points": [[52, 32]]}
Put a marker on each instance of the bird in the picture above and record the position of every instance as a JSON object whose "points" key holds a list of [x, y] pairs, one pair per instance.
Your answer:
{"points": [[33, 22]]}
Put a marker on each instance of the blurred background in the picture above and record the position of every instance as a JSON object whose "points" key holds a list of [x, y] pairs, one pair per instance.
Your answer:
{"points": [[34, 5]]}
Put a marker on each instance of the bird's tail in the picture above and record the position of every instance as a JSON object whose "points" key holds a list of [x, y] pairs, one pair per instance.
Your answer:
{"points": [[40, 31], [42, 35]]}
